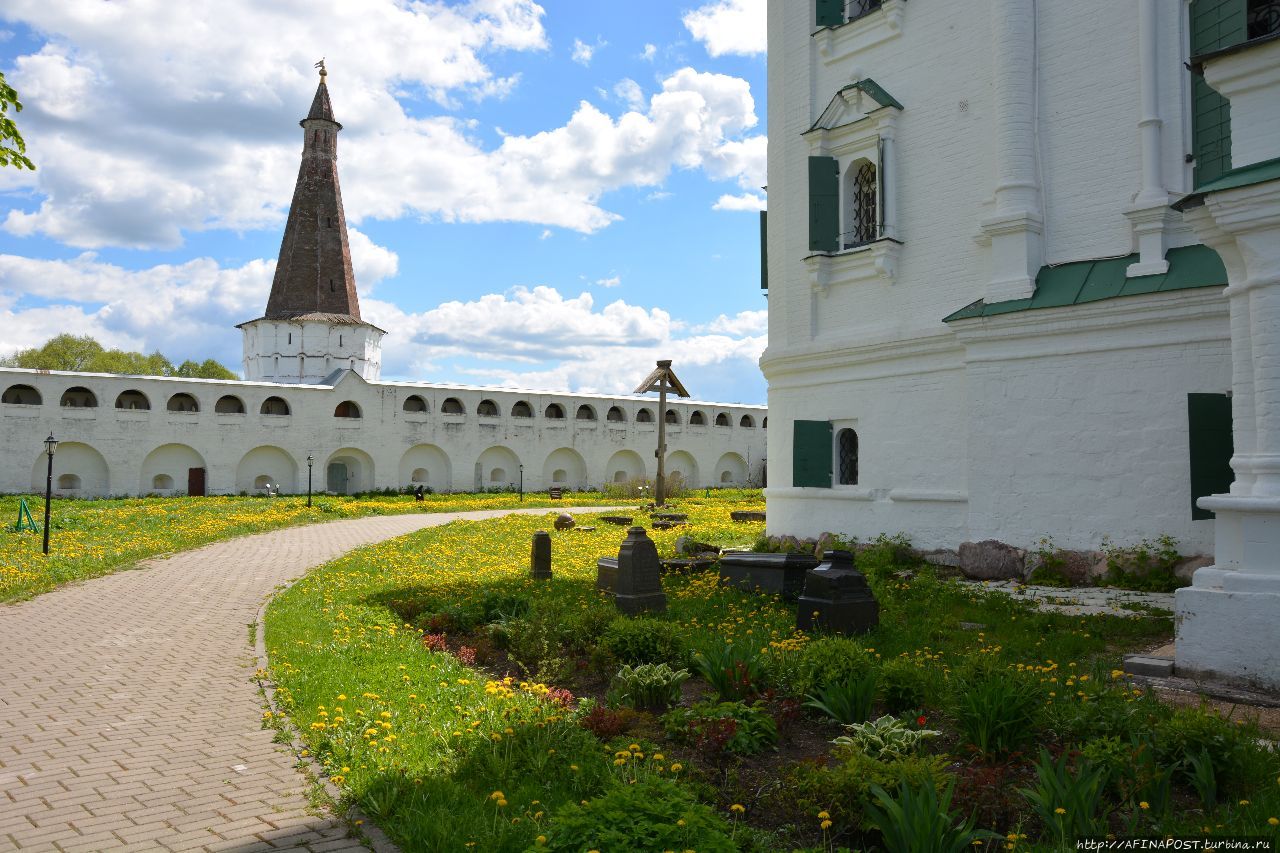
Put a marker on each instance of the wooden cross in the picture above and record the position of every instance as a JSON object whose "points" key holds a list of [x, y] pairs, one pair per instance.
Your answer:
{"points": [[661, 380]]}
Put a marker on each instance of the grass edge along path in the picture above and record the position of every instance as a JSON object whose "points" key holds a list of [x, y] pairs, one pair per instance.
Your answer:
{"points": [[92, 538]]}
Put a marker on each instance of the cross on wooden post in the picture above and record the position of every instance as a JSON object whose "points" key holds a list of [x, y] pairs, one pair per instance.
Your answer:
{"points": [[661, 380]]}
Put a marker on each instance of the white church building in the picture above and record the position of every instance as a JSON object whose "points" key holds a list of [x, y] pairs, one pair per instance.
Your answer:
{"points": [[1023, 271], [312, 391]]}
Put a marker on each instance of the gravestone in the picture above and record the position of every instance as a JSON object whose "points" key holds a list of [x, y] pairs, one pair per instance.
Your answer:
{"points": [[836, 598], [563, 521], [638, 585], [540, 556]]}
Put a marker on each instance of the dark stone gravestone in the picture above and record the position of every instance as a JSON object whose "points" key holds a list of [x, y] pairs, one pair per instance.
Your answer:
{"points": [[540, 556], [747, 515], [638, 585], [779, 574], [606, 573], [836, 598]]}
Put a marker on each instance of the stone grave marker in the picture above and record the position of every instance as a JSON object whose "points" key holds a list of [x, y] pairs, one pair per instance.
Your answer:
{"points": [[837, 598], [540, 556]]}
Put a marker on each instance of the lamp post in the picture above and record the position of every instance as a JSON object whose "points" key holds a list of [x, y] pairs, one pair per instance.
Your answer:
{"points": [[522, 483], [311, 460], [50, 445]]}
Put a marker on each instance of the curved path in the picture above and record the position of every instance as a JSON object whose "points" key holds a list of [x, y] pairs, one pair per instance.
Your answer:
{"points": [[129, 718]]}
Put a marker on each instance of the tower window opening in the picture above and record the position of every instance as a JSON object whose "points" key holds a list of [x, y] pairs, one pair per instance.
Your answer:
{"points": [[848, 451]]}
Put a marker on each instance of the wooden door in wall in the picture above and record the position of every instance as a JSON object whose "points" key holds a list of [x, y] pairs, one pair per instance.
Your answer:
{"points": [[195, 482], [337, 478]]}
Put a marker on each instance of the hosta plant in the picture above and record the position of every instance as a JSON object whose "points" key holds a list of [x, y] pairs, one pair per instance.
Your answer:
{"points": [[887, 738], [647, 687]]}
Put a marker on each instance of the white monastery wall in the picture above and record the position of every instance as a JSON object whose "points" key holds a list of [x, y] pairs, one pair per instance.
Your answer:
{"points": [[1069, 421], [124, 451]]}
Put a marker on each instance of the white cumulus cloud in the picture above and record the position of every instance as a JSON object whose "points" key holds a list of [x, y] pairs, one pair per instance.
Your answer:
{"points": [[730, 26]]}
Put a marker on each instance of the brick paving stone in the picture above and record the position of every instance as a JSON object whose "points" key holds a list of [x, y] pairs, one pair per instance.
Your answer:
{"points": [[120, 692]]}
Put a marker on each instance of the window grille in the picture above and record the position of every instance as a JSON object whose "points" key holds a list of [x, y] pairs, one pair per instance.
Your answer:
{"points": [[1264, 18], [848, 441], [865, 224], [854, 9]]}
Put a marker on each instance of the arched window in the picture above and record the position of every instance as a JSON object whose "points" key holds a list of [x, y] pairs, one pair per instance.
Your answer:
{"points": [[672, 417], [160, 482], [861, 223], [79, 398], [420, 475], [498, 475], [274, 406], [726, 476], [559, 476], [847, 442], [555, 412], [68, 482], [697, 419], [229, 405], [615, 414], [182, 403], [619, 476], [723, 420], [586, 413], [764, 424], [487, 409], [747, 421], [415, 403], [22, 395], [347, 409], [452, 406], [644, 416], [262, 482], [1263, 18], [521, 410], [132, 400]]}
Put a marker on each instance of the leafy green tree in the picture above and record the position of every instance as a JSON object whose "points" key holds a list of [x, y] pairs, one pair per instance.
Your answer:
{"points": [[13, 148], [86, 355]]}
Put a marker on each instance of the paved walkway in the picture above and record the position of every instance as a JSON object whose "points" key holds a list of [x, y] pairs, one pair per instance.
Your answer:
{"points": [[128, 714]]}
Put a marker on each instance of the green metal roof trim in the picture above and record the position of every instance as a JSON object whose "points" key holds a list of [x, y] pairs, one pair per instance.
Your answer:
{"points": [[1093, 281], [868, 87], [1257, 173]]}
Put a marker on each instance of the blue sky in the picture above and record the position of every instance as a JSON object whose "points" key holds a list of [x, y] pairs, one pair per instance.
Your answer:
{"points": [[544, 195]]}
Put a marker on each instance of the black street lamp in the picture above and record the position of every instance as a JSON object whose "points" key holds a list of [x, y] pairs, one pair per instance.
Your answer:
{"points": [[50, 445], [311, 460], [522, 484]]}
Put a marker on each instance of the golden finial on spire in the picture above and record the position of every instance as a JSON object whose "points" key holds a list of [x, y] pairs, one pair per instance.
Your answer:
{"points": [[323, 73]]}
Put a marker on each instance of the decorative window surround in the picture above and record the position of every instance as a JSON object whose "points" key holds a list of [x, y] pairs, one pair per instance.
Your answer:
{"points": [[860, 123], [836, 44], [874, 260]]}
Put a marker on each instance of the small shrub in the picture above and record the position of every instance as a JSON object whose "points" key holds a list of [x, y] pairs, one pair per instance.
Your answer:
{"points": [[643, 640], [734, 671], [1237, 761], [500, 606], [647, 687], [608, 723], [919, 820], [1069, 804], [905, 685], [846, 701], [844, 788], [435, 642], [997, 711], [1145, 566], [885, 739], [831, 660], [724, 727], [652, 814]]}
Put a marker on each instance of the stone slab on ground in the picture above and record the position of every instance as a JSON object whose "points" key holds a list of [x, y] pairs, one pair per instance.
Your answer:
{"points": [[1153, 667], [129, 717], [1084, 601]]}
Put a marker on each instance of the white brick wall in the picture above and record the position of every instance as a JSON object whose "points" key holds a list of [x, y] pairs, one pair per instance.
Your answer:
{"points": [[1070, 422]]}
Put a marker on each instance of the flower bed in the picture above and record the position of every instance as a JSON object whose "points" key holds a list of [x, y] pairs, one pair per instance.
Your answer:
{"points": [[466, 706]]}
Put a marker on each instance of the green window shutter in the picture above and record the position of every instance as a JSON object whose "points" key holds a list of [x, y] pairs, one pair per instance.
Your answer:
{"points": [[764, 250], [811, 454], [1209, 435], [824, 204], [1210, 132], [1216, 24], [830, 13]]}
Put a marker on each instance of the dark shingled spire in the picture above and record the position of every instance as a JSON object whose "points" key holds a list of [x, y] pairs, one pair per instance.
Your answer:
{"points": [[313, 275]]}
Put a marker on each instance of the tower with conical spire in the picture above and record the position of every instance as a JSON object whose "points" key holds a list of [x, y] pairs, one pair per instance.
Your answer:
{"points": [[312, 324]]}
